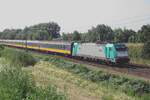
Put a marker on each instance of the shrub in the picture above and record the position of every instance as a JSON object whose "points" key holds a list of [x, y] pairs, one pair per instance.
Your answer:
{"points": [[145, 97], [97, 76], [107, 97], [1, 49], [79, 69], [50, 93], [18, 57], [135, 51], [133, 87], [146, 50], [16, 85]]}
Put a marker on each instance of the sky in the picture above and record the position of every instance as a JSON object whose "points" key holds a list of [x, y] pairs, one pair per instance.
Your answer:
{"points": [[73, 15]]}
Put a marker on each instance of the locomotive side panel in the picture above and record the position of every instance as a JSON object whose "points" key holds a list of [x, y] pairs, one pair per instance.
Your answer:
{"points": [[91, 50]]}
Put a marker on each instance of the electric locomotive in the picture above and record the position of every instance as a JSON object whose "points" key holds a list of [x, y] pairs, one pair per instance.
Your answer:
{"points": [[106, 52]]}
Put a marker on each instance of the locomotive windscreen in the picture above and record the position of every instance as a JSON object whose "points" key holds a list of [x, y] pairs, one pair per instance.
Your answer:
{"points": [[120, 47]]}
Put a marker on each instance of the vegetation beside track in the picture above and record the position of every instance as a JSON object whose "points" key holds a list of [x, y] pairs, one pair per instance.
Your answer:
{"points": [[135, 54], [74, 86], [104, 85], [130, 86], [17, 84], [17, 57]]}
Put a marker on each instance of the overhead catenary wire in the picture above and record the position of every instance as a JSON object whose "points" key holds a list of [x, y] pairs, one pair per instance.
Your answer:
{"points": [[136, 21]]}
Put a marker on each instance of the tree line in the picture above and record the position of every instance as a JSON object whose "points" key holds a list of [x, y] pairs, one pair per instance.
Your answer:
{"points": [[106, 33], [42, 31], [51, 30]]}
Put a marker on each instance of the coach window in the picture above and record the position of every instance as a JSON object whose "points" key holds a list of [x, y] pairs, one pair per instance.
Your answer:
{"points": [[53, 46], [56, 46], [50, 45], [64, 47]]}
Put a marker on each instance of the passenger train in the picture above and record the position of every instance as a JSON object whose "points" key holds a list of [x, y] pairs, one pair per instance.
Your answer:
{"points": [[102, 52]]}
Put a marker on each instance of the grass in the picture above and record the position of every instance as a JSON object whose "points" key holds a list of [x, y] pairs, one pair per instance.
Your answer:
{"points": [[135, 53], [81, 82], [16, 84], [130, 86], [74, 86], [18, 57]]}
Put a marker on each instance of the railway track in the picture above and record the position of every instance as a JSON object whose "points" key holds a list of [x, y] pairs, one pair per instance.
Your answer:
{"points": [[142, 71], [130, 69]]}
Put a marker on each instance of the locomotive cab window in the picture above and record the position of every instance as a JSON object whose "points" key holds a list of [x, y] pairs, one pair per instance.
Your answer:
{"points": [[110, 48]]}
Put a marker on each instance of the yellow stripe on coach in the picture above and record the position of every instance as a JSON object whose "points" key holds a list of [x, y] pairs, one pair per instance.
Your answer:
{"points": [[43, 49]]}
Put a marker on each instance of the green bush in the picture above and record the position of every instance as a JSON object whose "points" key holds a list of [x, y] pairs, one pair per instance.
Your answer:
{"points": [[135, 51], [16, 85], [146, 50], [97, 76], [133, 87], [50, 93], [1, 49], [107, 97], [18, 57], [145, 97], [139, 53]]}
